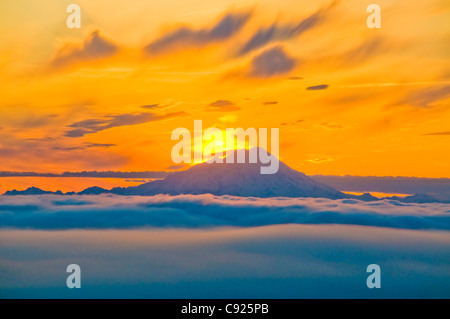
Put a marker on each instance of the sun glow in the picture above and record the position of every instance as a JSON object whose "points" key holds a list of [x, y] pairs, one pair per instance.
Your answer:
{"points": [[96, 98]]}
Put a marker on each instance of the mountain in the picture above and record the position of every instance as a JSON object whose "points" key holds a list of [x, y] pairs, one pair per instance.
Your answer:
{"points": [[95, 190], [419, 198], [32, 191], [235, 179]]}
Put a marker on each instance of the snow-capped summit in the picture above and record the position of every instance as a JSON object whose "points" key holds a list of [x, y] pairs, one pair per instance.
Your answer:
{"points": [[238, 179]]}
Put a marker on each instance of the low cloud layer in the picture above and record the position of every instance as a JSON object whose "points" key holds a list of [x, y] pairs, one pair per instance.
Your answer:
{"points": [[283, 261], [186, 36], [199, 211]]}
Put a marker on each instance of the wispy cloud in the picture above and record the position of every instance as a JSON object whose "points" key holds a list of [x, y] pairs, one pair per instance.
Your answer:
{"points": [[150, 106], [425, 98], [182, 37], [295, 78], [366, 50], [438, 133], [331, 126], [84, 146], [279, 32], [91, 126], [223, 105], [93, 48]]}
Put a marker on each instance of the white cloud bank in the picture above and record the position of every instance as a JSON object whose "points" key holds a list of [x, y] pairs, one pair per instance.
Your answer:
{"points": [[199, 211]]}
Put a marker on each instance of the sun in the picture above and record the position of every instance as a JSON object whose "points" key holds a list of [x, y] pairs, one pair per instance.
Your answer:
{"points": [[220, 145]]}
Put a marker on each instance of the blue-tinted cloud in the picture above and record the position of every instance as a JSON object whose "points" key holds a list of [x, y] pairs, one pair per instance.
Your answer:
{"points": [[198, 211]]}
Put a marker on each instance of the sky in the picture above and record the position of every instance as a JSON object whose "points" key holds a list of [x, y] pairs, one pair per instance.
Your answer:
{"points": [[347, 99]]}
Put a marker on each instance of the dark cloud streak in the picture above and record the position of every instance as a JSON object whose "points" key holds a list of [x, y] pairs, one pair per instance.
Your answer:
{"points": [[223, 105], [229, 25], [278, 32], [317, 87], [91, 126]]}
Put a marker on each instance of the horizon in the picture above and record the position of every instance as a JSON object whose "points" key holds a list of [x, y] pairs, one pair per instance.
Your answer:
{"points": [[377, 186]]}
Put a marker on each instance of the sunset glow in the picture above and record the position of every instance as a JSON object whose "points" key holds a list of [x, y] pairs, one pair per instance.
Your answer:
{"points": [[347, 100]]}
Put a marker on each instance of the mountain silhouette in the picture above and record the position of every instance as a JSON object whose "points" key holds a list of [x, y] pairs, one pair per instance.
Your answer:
{"points": [[32, 191], [237, 179]]}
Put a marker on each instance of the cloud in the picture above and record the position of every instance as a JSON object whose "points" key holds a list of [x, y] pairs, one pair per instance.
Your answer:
{"points": [[27, 120], [52, 149], [295, 78], [318, 87], [200, 211], [427, 97], [150, 106], [96, 174], [283, 261], [223, 106], [71, 202], [293, 123], [321, 159], [331, 126], [270, 103], [438, 133], [93, 48], [91, 126], [221, 103], [272, 62], [84, 146], [278, 32], [363, 52], [183, 37]]}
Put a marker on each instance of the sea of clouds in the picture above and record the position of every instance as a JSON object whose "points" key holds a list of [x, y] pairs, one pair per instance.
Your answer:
{"points": [[205, 246], [199, 211], [279, 261]]}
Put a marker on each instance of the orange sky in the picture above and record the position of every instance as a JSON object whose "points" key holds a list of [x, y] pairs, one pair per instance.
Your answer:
{"points": [[107, 96]]}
